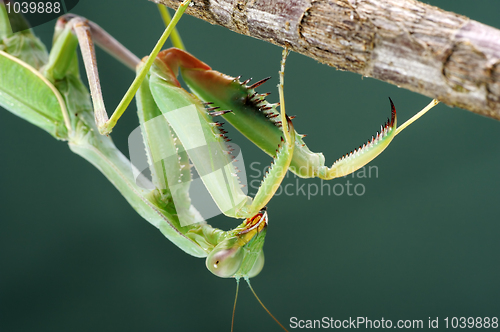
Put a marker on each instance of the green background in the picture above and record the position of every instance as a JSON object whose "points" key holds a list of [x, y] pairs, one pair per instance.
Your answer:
{"points": [[423, 241]]}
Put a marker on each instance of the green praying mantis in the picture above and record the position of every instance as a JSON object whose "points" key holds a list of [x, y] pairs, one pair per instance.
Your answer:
{"points": [[228, 114]]}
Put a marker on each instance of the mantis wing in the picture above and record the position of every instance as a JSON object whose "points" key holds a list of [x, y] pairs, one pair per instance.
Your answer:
{"points": [[27, 94]]}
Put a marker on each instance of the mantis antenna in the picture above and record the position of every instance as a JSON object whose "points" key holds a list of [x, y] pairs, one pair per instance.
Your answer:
{"points": [[263, 306], [235, 299]]}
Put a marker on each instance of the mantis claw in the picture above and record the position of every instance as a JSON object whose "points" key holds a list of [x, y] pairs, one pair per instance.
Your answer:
{"points": [[359, 157]]}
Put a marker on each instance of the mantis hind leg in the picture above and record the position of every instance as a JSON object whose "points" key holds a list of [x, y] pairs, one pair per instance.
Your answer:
{"points": [[87, 31], [175, 37]]}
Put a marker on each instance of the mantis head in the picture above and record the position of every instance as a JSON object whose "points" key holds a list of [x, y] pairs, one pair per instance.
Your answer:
{"points": [[241, 254]]}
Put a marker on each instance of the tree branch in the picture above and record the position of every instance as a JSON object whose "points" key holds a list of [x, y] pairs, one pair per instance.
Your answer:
{"points": [[404, 42]]}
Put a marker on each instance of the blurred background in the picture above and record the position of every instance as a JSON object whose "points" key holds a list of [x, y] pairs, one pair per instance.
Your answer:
{"points": [[420, 241]]}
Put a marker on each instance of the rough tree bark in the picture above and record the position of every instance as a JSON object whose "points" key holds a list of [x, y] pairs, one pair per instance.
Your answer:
{"points": [[404, 42]]}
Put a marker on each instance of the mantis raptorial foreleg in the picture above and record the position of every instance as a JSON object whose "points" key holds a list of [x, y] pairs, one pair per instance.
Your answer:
{"points": [[250, 107], [202, 139]]}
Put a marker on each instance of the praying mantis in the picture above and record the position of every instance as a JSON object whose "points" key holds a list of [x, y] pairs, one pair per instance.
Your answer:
{"points": [[293, 234]]}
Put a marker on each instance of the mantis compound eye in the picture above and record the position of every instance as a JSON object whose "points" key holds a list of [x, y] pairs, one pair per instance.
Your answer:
{"points": [[257, 266], [241, 255], [225, 260]]}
